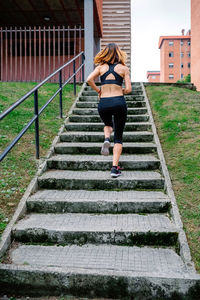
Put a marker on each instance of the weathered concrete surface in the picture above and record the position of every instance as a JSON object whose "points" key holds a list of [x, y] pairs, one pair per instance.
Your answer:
{"points": [[93, 111], [128, 136], [122, 229], [88, 118], [93, 93], [82, 201], [99, 162], [138, 97], [64, 179], [92, 104], [95, 148], [38, 280], [101, 257], [99, 126]]}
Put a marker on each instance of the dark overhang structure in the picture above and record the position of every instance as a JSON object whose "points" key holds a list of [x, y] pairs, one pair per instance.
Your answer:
{"points": [[48, 13]]}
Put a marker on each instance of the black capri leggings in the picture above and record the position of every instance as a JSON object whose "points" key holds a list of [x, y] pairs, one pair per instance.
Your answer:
{"points": [[117, 107]]}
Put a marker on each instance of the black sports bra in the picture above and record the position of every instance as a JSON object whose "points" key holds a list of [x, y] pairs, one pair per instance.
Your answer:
{"points": [[118, 79]]}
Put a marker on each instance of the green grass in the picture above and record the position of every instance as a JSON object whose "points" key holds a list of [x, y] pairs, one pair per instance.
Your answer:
{"points": [[177, 117], [19, 166]]}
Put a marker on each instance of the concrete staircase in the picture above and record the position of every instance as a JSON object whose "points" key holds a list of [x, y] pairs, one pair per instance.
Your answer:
{"points": [[89, 235]]}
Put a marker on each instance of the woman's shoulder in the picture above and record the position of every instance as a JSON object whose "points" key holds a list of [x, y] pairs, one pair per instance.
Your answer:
{"points": [[102, 67], [122, 68]]}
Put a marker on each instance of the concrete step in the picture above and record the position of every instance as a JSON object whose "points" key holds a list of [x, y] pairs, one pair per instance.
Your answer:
{"points": [[136, 87], [93, 104], [101, 180], [100, 257], [89, 118], [96, 271], [99, 162], [134, 126], [93, 93], [80, 136], [81, 201], [96, 98], [120, 229], [94, 111], [95, 148]]}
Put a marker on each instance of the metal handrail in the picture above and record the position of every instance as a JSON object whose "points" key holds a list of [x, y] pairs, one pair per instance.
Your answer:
{"points": [[36, 112]]}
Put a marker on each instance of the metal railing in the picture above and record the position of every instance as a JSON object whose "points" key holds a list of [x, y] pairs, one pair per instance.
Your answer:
{"points": [[38, 112], [32, 53]]}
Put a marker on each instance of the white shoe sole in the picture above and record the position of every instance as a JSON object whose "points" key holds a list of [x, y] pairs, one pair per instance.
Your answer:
{"points": [[114, 175], [105, 148]]}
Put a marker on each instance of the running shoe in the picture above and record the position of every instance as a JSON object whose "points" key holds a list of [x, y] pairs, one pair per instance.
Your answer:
{"points": [[105, 148], [115, 172]]}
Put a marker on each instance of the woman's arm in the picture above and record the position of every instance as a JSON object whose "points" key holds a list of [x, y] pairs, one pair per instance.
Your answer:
{"points": [[91, 77], [128, 87]]}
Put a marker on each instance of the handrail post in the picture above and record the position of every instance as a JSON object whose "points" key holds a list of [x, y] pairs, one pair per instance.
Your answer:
{"points": [[36, 124], [83, 79], [74, 70], [60, 85]]}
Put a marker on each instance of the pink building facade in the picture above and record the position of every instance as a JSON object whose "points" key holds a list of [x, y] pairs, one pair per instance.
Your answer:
{"points": [[175, 57], [195, 43], [153, 76]]}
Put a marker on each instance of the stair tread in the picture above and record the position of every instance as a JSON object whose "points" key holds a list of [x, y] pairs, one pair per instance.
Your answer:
{"points": [[107, 196], [130, 97], [147, 260], [94, 111], [92, 144], [129, 108], [78, 222], [77, 157], [87, 115], [100, 175], [93, 102], [96, 124], [102, 134]]}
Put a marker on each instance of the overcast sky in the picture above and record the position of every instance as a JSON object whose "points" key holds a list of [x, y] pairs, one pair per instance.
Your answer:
{"points": [[150, 20]]}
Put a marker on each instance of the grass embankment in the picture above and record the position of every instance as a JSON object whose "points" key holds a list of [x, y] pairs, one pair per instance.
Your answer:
{"points": [[19, 166], [176, 114]]}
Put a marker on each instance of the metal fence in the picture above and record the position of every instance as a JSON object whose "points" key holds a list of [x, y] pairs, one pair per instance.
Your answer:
{"points": [[31, 54]]}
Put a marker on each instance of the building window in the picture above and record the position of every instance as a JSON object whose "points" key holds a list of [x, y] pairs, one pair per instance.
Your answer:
{"points": [[181, 76], [188, 43], [181, 43], [188, 65], [171, 65], [181, 65], [171, 43], [188, 54], [171, 54], [171, 76], [153, 77], [182, 54]]}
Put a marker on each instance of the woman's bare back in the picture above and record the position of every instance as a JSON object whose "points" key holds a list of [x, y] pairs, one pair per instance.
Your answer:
{"points": [[112, 90]]}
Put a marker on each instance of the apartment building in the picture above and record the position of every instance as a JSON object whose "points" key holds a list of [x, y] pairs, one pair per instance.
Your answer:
{"points": [[195, 43], [153, 76], [175, 57]]}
